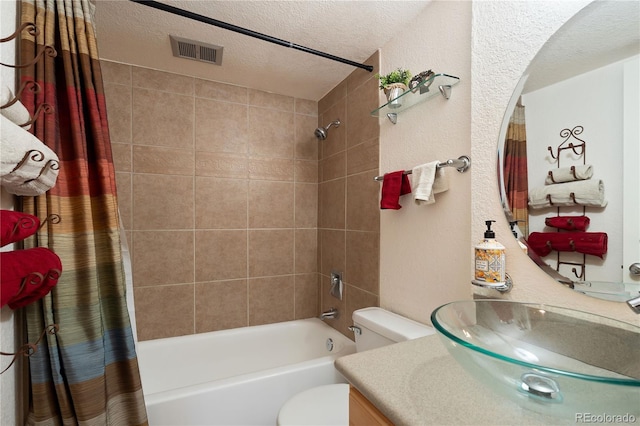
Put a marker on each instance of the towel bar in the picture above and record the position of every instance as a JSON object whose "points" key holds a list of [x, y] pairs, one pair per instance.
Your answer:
{"points": [[461, 164]]}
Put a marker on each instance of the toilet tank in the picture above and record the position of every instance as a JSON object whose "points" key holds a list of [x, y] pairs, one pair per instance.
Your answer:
{"points": [[380, 327]]}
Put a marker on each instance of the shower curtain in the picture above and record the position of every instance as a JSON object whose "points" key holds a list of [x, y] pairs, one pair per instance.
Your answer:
{"points": [[515, 169], [87, 372]]}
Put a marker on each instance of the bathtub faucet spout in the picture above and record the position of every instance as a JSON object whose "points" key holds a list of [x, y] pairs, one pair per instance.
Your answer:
{"points": [[331, 314]]}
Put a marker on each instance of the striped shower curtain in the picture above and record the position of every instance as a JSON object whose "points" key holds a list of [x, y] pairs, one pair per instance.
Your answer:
{"points": [[515, 169], [87, 372]]}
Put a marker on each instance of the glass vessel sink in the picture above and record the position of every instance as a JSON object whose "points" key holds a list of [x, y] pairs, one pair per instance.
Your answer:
{"points": [[549, 359]]}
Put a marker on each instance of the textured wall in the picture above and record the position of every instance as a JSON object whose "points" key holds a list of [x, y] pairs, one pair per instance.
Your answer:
{"points": [[505, 38], [7, 323], [424, 251]]}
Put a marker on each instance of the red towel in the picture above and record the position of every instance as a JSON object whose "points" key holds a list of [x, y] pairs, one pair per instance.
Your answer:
{"points": [[394, 185], [16, 226], [568, 223], [593, 243], [27, 275]]}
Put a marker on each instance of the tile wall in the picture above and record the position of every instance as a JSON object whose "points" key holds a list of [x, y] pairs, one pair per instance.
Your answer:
{"points": [[234, 213], [348, 197]]}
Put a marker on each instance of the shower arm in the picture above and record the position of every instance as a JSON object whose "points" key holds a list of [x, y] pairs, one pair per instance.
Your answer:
{"points": [[333, 123], [245, 31]]}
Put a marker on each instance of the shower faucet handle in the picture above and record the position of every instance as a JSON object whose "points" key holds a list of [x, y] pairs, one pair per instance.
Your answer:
{"points": [[337, 287]]}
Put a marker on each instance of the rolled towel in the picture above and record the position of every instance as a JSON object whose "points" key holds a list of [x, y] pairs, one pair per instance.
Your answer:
{"points": [[26, 298], [427, 179], [16, 226], [394, 185], [27, 275], [593, 243], [27, 166], [583, 192], [568, 223], [34, 187], [569, 174], [16, 112]]}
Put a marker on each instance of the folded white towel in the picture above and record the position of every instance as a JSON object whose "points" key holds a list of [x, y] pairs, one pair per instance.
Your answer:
{"points": [[35, 187], [569, 174], [426, 180], [585, 193], [27, 166], [17, 112]]}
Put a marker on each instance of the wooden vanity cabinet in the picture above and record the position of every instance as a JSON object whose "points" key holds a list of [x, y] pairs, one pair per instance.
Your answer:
{"points": [[362, 412]]}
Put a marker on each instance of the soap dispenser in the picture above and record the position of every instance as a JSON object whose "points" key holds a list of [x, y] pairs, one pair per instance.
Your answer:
{"points": [[490, 259]]}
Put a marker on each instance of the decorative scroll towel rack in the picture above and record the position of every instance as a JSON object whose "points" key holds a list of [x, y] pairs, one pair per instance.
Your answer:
{"points": [[30, 85], [461, 164], [29, 349], [579, 148]]}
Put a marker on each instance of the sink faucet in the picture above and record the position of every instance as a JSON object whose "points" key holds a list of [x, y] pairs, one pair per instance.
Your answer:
{"points": [[331, 314], [634, 304]]}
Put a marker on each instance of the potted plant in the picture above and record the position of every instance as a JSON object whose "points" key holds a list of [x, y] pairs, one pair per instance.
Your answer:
{"points": [[395, 84]]}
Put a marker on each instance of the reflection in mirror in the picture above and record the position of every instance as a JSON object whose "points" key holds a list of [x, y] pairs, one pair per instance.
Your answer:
{"points": [[570, 153]]}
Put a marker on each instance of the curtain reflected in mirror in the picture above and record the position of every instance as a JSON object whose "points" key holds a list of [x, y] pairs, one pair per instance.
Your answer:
{"points": [[515, 170]]}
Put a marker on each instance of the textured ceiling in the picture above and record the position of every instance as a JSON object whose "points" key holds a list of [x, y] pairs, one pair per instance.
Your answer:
{"points": [[602, 33], [137, 34], [128, 32]]}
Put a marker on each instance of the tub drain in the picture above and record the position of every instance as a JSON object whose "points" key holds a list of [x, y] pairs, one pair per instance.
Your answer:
{"points": [[329, 344]]}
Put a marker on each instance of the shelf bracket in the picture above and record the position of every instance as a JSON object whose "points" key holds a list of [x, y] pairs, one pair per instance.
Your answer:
{"points": [[445, 90], [393, 117]]}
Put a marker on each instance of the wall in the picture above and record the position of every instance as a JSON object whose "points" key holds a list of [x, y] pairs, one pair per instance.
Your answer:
{"points": [[566, 105], [9, 388], [348, 209], [260, 222], [505, 38], [217, 186], [425, 250]]}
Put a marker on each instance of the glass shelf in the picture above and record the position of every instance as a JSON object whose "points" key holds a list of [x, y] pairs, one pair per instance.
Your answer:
{"points": [[427, 89]]}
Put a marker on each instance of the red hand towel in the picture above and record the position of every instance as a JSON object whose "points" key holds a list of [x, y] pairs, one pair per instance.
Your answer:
{"points": [[394, 185], [16, 226], [27, 275], [568, 223], [50, 280], [593, 243]]}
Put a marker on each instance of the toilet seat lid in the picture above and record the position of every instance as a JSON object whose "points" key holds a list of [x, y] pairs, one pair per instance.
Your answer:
{"points": [[322, 405]]}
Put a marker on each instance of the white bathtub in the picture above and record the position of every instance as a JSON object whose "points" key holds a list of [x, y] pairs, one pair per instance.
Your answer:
{"points": [[236, 377]]}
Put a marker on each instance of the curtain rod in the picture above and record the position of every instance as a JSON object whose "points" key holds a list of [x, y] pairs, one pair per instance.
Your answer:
{"points": [[231, 27]]}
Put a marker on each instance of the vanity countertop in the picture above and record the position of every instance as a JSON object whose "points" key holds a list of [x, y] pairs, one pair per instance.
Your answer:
{"points": [[418, 383]]}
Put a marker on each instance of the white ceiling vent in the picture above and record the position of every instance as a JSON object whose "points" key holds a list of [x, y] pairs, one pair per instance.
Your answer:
{"points": [[196, 50]]}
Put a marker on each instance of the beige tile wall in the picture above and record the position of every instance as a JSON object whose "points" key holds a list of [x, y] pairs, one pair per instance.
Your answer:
{"points": [[235, 213], [348, 197], [217, 186]]}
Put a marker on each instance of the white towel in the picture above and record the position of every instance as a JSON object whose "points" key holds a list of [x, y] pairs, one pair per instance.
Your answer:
{"points": [[16, 112], [586, 193], [27, 166], [426, 180], [565, 174], [35, 187]]}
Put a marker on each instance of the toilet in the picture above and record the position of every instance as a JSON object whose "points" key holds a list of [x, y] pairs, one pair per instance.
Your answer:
{"points": [[329, 404]]}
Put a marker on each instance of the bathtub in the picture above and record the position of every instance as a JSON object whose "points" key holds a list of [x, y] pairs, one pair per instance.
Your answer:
{"points": [[237, 377]]}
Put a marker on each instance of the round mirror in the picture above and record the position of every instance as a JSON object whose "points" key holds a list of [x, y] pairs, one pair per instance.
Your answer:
{"points": [[570, 153]]}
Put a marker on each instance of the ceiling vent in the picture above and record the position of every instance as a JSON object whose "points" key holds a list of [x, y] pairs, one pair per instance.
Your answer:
{"points": [[196, 50]]}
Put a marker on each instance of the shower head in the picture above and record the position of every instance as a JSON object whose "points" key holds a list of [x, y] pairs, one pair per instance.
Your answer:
{"points": [[321, 132]]}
